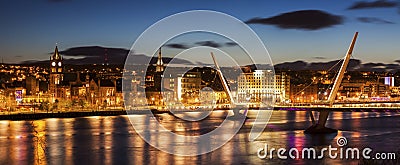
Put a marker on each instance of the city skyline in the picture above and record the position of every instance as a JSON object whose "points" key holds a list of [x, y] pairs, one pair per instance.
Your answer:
{"points": [[32, 31], [199, 82]]}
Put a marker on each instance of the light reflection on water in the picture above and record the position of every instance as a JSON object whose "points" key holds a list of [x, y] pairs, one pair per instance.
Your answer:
{"points": [[112, 140]]}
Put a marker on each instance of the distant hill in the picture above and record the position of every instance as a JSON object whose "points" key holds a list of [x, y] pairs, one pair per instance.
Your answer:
{"points": [[96, 54], [354, 65], [302, 65]]}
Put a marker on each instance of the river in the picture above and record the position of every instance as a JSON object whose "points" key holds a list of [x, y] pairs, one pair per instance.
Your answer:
{"points": [[113, 140]]}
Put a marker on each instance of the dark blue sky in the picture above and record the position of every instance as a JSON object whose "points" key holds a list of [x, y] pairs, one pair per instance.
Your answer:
{"points": [[30, 30]]}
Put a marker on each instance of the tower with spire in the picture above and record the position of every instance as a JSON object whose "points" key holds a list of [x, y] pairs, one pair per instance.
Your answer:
{"points": [[159, 64], [56, 71]]}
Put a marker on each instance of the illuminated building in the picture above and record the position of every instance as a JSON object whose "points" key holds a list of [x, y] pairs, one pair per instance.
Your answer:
{"points": [[255, 86], [304, 93], [101, 92], [79, 88], [349, 90], [188, 87], [282, 86], [160, 63], [395, 92], [372, 89], [107, 92], [3, 98], [56, 72], [389, 81]]}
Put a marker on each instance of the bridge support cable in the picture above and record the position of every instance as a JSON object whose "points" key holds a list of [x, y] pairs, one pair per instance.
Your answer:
{"points": [[324, 114], [234, 107], [319, 78]]}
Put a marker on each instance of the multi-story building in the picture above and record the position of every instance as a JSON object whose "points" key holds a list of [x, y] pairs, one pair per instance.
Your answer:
{"points": [[188, 87], [254, 87], [282, 86], [304, 93], [193, 86], [350, 90], [371, 89]]}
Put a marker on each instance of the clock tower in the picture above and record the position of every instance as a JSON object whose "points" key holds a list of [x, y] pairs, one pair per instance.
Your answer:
{"points": [[56, 72]]}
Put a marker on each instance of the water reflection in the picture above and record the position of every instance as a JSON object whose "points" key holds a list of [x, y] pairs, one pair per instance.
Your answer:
{"points": [[112, 140], [39, 141]]}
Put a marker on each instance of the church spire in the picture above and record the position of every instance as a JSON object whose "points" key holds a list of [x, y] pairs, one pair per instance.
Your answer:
{"points": [[56, 55], [159, 64]]}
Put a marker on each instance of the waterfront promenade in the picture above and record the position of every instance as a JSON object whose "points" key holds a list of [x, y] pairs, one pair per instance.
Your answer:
{"points": [[38, 114]]}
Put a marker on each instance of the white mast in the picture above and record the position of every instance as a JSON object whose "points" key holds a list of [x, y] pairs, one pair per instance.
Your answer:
{"points": [[339, 78], [224, 84], [323, 116]]}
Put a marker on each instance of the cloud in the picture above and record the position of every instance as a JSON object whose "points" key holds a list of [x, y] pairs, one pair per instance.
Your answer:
{"points": [[208, 43], [373, 4], [177, 46], [230, 44], [373, 20], [302, 19], [200, 43], [319, 58]]}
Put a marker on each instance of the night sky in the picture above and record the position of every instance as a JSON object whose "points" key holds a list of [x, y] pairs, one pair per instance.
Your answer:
{"points": [[29, 30]]}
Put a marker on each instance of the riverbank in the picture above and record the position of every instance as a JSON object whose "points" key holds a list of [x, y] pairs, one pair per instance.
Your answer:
{"points": [[117, 112], [35, 116]]}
